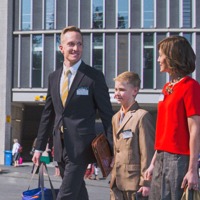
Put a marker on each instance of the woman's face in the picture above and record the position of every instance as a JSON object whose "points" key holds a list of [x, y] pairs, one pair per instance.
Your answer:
{"points": [[162, 59]]}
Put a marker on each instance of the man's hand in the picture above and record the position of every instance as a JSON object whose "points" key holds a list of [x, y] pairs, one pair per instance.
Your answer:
{"points": [[36, 158]]}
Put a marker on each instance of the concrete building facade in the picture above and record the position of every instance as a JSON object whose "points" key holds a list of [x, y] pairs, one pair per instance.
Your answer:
{"points": [[118, 35]]}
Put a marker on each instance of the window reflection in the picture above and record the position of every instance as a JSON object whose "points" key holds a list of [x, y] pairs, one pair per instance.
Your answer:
{"points": [[37, 61], [97, 14], [148, 13], [26, 15], [59, 55], [49, 14], [187, 15], [148, 60], [98, 51], [122, 14]]}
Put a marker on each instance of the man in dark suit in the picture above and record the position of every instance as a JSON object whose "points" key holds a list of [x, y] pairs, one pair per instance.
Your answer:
{"points": [[74, 118]]}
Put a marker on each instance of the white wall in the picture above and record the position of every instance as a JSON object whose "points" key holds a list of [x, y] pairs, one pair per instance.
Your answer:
{"points": [[5, 76]]}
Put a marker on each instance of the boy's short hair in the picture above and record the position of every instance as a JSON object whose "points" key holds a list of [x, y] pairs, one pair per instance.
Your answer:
{"points": [[129, 77]]}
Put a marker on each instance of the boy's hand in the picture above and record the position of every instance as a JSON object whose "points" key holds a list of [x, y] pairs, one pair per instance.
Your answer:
{"points": [[144, 191], [112, 163]]}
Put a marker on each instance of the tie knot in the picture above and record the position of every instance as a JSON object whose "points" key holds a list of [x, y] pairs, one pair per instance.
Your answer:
{"points": [[66, 73]]}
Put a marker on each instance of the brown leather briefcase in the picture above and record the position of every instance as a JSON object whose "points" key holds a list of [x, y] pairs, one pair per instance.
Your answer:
{"points": [[102, 153]]}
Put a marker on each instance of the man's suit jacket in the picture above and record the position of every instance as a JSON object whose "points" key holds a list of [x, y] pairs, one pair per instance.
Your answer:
{"points": [[133, 154], [88, 93]]}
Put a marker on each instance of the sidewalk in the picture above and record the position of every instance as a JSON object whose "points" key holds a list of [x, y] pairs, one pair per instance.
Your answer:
{"points": [[14, 180]]}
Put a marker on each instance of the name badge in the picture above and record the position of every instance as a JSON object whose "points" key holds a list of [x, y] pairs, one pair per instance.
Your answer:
{"points": [[161, 97], [82, 91], [127, 134]]}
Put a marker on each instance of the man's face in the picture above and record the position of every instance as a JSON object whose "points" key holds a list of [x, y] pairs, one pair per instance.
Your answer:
{"points": [[71, 48]]}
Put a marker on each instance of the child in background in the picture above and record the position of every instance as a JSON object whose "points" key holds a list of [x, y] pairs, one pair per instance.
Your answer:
{"points": [[15, 152], [55, 163]]}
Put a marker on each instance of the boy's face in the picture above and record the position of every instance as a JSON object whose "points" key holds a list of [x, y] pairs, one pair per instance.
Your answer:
{"points": [[125, 93]]}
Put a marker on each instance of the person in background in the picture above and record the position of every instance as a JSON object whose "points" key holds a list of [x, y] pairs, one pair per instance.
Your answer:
{"points": [[32, 153], [96, 171], [57, 171], [76, 92], [33, 147], [175, 162], [89, 171], [133, 136], [45, 157], [15, 152]]}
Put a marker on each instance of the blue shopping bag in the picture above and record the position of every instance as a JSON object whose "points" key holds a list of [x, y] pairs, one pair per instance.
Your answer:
{"points": [[40, 193], [36, 194]]}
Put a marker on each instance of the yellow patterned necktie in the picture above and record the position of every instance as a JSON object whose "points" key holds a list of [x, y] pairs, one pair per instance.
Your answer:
{"points": [[65, 87]]}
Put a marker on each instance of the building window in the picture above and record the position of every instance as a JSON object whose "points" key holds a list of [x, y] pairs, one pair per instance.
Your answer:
{"points": [[98, 51], [97, 14], [187, 13], [148, 13], [122, 52], [59, 55], [148, 60], [122, 14], [188, 36], [49, 14], [26, 15], [37, 61]]}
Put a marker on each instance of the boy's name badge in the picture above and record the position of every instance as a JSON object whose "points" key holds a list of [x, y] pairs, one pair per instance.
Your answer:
{"points": [[82, 91], [127, 134]]}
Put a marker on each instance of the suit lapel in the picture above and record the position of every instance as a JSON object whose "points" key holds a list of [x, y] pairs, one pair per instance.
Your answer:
{"points": [[127, 117], [56, 86], [77, 79]]}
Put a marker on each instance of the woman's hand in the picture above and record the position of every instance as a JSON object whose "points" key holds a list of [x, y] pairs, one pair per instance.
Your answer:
{"points": [[149, 172]]}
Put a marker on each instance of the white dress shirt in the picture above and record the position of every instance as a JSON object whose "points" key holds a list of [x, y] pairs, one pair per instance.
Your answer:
{"points": [[71, 76]]}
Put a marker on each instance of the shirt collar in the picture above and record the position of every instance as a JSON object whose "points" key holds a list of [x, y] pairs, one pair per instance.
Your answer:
{"points": [[131, 107], [73, 68]]}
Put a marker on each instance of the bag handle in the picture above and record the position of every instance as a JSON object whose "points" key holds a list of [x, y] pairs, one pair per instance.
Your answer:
{"points": [[33, 174], [188, 193], [41, 180], [42, 166]]}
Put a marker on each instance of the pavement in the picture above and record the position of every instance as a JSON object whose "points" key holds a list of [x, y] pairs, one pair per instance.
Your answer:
{"points": [[15, 180]]}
